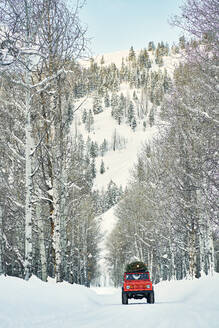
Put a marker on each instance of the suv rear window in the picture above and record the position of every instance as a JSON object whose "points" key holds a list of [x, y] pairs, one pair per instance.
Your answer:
{"points": [[137, 276]]}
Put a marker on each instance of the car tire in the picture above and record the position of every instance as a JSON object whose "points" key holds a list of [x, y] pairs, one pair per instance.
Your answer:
{"points": [[150, 298], [124, 298]]}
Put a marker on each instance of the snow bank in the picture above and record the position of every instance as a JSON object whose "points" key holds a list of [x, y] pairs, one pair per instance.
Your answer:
{"points": [[179, 304], [39, 304]]}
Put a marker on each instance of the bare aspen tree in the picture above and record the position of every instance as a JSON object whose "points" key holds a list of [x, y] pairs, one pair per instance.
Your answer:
{"points": [[19, 46], [38, 41], [41, 237], [1, 241]]}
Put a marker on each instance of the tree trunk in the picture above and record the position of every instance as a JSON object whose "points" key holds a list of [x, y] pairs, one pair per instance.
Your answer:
{"points": [[209, 249], [192, 253], [28, 178], [41, 243], [28, 158], [1, 242], [57, 230]]}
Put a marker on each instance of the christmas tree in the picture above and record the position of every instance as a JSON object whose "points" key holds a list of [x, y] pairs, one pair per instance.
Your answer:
{"points": [[136, 266]]}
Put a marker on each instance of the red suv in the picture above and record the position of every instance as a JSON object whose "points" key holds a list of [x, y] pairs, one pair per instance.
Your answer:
{"points": [[137, 285]]}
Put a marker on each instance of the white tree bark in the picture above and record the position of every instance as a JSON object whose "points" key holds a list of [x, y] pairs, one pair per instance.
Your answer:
{"points": [[28, 157], [57, 230], [28, 178], [210, 248], [1, 240], [41, 243]]}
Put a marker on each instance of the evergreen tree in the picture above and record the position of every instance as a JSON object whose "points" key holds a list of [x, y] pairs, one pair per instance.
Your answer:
{"points": [[133, 124], [84, 116], [144, 60], [103, 147], [93, 169], [167, 83], [93, 149], [151, 116], [182, 42], [151, 46], [107, 100], [119, 109], [131, 56], [102, 167], [159, 55], [89, 121], [97, 105], [113, 195], [130, 112], [102, 61], [114, 102]]}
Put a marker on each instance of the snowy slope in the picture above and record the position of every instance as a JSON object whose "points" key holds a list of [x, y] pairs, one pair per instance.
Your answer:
{"points": [[108, 222], [178, 304], [117, 163], [116, 58]]}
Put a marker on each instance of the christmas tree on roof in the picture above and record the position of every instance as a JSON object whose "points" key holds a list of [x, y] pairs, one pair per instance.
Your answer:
{"points": [[136, 266]]}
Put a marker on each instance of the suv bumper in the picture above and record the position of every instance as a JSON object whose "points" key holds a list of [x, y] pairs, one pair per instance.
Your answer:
{"points": [[138, 294]]}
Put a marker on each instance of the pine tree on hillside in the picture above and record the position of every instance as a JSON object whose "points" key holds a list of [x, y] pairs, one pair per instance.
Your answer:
{"points": [[103, 148], [119, 109], [102, 167], [107, 100], [84, 116], [159, 55], [97, 105], [93, 169], [182, 42], [133, 124], [93, 149], [130, 112], [89, 121], [131, 56], [151, 46], [113, 195], [114, 102], [174, 49], [114, 140], [162, 49], [102, 61], [151, 116], [167, 49], [144, 60]]}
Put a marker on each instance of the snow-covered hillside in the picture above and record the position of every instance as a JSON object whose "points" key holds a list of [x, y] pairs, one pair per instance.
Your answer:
{"points": [[170, 62], [108, 222], [118, 163], [178, 304]]}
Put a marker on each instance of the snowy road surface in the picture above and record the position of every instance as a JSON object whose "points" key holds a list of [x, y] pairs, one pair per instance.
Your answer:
{"points": [[179, 304]]}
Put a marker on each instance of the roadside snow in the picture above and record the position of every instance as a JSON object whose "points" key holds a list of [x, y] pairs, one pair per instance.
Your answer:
{"points": [[179, 304]]}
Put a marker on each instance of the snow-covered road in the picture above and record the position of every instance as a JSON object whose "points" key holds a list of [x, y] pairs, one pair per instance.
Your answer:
{"points": [[179, 304]]}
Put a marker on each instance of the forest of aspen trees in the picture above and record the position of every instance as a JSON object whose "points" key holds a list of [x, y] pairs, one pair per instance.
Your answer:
{"points": [[50, 214]]}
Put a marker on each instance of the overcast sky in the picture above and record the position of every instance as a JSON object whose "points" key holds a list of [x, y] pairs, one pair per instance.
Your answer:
{"points": [[117, 25]]}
